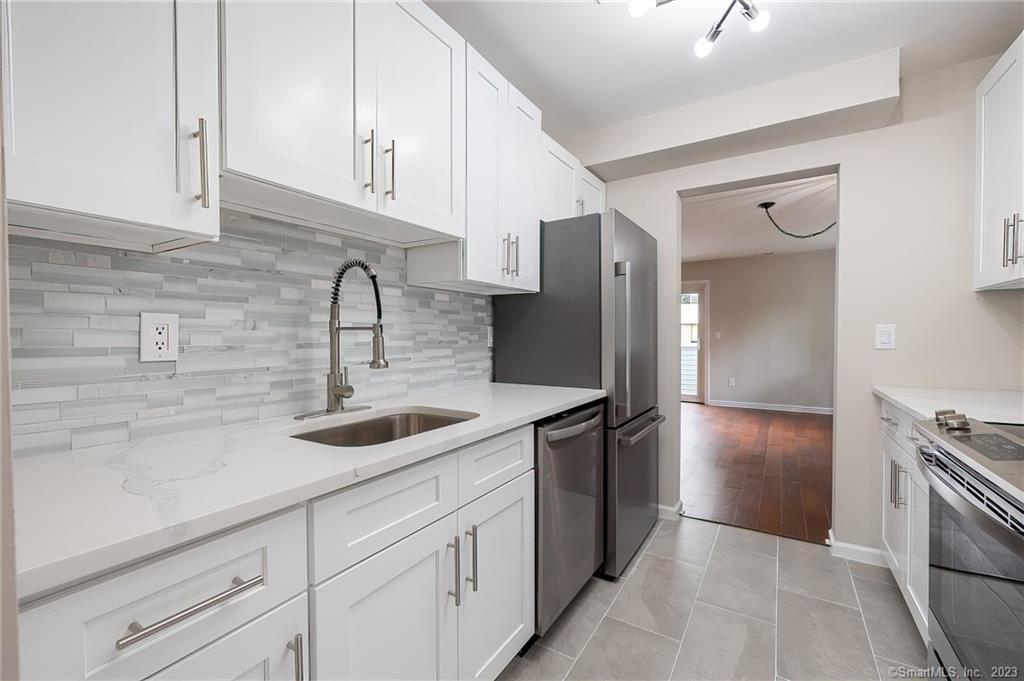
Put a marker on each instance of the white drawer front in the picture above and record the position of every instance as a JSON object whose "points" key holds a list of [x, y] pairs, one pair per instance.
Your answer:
{"points": [[900, 426], [488, 465], [356, 523], [75, 636]]}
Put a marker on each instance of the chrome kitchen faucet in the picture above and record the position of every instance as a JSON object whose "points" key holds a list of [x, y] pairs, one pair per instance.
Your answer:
{"points": [[338, 387]]}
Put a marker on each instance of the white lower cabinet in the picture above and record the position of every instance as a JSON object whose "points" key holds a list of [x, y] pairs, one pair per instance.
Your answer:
{"points": [[905, 514], [496, 615], [270, 647], [391, 616]]}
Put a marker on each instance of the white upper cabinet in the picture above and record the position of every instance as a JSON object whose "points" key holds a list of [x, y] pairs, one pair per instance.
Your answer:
{"points": [[111, 121], [411, 75], [999, 172], [487, 253], [557, 181], [501, 250], [589, 192], [289, 98]]}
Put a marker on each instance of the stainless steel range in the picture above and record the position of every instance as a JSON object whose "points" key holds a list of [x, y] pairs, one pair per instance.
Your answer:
{"points": [[976, 545]]}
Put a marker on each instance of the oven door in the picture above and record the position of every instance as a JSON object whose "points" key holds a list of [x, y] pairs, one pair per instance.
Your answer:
{"points": [[976, 574]]}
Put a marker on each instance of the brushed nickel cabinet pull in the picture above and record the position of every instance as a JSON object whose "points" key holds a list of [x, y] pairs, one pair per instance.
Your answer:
{"points": [[475, 579], [1006, 242], [204, 167], [579, 207], [892, 482], [458, 572], [137, 632], [391, 192], [295, 645], [506, 264], [1016, 255], [372, 141], [515, 272]]}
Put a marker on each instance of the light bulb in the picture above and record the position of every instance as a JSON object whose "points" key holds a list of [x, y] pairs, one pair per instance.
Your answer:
{"points": [[702, 48], [757, 25], [638, 8]]}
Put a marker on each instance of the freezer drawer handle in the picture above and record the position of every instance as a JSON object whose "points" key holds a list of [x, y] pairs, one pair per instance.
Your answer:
{"points": [[573, 431], [651, 427]]}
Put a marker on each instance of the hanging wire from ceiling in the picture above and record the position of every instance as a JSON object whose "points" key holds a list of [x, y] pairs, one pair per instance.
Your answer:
{"points": [[769, 204]]}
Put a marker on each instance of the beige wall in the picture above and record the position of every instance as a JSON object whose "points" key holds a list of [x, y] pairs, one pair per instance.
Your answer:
{"points": [[904, 256], [776, 317]]}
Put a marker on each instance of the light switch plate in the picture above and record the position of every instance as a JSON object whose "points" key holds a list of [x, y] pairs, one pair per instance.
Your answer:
{"points": [[718, 335], [885, 336], [158, 337]]}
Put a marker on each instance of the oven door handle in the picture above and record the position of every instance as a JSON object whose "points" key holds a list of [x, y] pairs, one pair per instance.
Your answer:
{"points": [[994, 529]]}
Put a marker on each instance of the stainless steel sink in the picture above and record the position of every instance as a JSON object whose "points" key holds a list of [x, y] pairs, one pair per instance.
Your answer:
{"points": [[385, 428]]}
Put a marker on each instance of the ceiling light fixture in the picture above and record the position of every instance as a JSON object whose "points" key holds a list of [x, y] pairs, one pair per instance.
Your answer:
{"points": [[771, 204], [757, 20]]}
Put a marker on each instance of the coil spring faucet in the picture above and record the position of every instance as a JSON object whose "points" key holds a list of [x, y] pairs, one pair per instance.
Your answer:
{"points": [[338, 387]]}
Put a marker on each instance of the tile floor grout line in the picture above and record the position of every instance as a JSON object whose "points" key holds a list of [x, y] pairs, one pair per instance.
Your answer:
{"points": [[556, 652], [693, 605], [864, 621], [778, 569], [823, 600], [599, 622], [637, 626], [734, 612]]}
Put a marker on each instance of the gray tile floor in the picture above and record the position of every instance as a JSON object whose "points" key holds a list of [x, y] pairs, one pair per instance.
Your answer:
{"points": [[707, 601]]}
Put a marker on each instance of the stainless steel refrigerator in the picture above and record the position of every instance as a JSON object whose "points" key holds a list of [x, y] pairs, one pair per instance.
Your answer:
{"points": [[594, 325]]}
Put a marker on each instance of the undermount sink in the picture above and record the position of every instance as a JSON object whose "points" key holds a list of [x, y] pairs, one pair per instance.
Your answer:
{"points": [[385, 428]]}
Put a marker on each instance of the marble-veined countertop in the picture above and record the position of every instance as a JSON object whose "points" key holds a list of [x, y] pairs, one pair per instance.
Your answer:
{"points": [[79, 514], [996, 406]]}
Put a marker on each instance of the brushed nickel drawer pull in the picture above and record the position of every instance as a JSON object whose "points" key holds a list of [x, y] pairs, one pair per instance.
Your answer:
{"points": [[137, 632], [204, 167], [458, 572], [475, 579], [295, 645]]}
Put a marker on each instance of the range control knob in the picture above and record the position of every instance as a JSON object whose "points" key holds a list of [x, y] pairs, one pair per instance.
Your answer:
{"points": [[940, 415], [958, 422]]}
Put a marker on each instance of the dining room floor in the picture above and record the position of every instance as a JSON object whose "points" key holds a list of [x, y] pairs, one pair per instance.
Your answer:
{"points": [[708, 601]]}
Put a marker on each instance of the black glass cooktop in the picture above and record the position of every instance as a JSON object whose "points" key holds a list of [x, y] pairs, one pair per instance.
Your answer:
{"points": [[992, 445]]}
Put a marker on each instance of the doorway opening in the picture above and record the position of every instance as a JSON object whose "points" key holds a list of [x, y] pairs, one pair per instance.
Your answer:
{"points": [[757, 357]]}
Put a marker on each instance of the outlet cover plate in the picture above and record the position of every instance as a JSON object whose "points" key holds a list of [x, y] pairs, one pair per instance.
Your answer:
{"points": [[885, 336], [158, 337]]}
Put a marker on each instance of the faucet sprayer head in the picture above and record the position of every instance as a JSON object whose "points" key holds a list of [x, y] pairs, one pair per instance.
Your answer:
{"points": [[378, 361]]}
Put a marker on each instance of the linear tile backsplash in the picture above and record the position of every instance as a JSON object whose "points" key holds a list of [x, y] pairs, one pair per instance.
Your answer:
{"points": [[252, 333]]}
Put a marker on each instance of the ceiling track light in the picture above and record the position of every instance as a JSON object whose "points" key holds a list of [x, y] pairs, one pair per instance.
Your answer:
{"points": [[757, 20]]}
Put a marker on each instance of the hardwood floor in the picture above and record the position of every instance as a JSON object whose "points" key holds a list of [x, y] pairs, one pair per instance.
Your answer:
{"points": [[763, 470]]}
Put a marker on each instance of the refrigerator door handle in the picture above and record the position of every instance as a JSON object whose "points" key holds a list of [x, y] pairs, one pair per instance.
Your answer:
{"points": [[622, 269], [644, 432]]}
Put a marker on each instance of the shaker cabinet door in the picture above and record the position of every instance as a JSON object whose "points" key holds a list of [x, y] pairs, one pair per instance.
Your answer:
{"points": [[289, 98], [520, 201], [103, 106], [496, 617], [894, 510], [391, 616], [419, 66], [557, 181]]}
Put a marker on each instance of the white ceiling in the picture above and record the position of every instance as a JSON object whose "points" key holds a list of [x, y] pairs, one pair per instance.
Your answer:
{"points": [[729, 224], [589, 64]]}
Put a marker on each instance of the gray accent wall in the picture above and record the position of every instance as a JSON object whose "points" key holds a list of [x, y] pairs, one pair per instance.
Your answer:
{"points": [[253, 339]]}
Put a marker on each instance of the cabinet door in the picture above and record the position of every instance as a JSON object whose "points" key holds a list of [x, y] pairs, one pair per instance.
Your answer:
{"points": [[101, 100], [391, 616], [520, 209], [557, 181], [894, 512], [289, 94], [497, 612], [589, 192], [1000, 169], [420, 67], [917, 549], [487, 255], [263, 649]]}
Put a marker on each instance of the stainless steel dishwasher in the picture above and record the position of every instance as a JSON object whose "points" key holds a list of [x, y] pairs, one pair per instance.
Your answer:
{"points": [[570, 508]]}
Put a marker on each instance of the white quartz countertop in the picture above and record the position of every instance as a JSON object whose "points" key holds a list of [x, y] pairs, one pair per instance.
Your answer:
{"points": [[82, 513], [996, 406]]}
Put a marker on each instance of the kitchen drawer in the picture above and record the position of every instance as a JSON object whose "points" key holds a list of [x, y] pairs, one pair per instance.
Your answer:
{"points": [[488, 465], [75, 636], [360, 521], [263, 649], [900, 426]]}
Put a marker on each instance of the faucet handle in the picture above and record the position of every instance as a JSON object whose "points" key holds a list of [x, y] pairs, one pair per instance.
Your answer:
{"points": [[346, 391]]}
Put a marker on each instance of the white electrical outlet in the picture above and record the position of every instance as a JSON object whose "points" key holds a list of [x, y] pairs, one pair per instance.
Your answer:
{"points": [[718, 335], [158, 337], [732, 382], [885, 336]]}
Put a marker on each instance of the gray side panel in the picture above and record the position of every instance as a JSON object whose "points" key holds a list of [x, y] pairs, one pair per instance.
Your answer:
{"points": [[554, 337]]}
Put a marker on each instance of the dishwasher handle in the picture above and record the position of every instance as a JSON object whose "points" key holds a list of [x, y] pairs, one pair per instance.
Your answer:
{"points": [[573, 431]]}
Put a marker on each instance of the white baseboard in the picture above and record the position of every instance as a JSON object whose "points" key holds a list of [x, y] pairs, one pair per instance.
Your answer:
{"points": [[861, 554], [670, 512], [796, 408]]}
